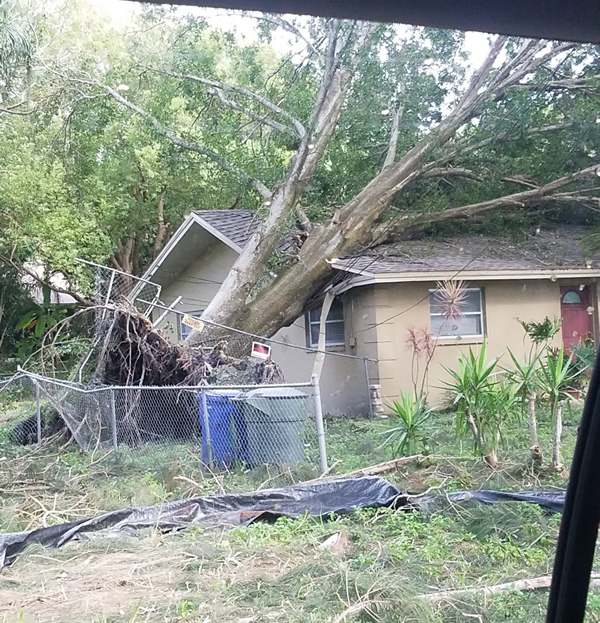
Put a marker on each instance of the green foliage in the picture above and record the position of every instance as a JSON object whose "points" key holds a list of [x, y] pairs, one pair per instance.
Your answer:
{"points": [[405, 434], [584, 355], [524, 375], [557, 375], [541, 332], [483, 402], [35, 324]]}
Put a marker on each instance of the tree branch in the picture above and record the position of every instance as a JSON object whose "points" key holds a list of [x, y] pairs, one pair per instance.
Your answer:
{"points": [[187, 145], [284, 25], [161, 231], [299, 129], [23, 270], [480, 76], [262, 119], [463, 150], [543, 193], [390, 156], [451, 171], [531, 584]]}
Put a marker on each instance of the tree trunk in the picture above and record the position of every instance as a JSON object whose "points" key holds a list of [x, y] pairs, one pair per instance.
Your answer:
{"points": [[349, 229], [473, 427], [536, 451], [491, 458], [556, 439], [161, 231], [234, 292]]}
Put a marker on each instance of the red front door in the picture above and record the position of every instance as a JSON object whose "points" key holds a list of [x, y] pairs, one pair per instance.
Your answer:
{"points": [[576, 320]]}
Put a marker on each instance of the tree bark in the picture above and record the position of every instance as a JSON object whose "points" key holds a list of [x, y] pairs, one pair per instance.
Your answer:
{"points": [[536, 451], [556, 438], [473, 427], [161, 231], [351, 226], [232, 298], [123, 258], [491, 458]]}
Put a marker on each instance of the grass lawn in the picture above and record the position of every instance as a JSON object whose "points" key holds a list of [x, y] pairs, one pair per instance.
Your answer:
{"points": [[278, 572]]}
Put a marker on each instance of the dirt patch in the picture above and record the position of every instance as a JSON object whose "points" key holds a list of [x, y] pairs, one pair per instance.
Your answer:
{"points": [[89, 584], [152, 578]]}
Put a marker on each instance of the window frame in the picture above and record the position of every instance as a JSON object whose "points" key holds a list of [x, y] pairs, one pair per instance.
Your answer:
{"points": [[310, 323], [480, 313], [194, 314]]}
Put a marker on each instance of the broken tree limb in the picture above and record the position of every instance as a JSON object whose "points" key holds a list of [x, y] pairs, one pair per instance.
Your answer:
{"points": [[530, 584], [387, 466]]}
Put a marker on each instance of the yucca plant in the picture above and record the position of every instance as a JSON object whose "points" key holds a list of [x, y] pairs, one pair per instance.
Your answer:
{"points": [[472, 389], [524, 376], [405, 434], [557, 375]]}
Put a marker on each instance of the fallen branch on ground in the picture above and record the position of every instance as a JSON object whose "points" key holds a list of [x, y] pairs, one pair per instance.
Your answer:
{"points": [[388, 466], [531, 584]]}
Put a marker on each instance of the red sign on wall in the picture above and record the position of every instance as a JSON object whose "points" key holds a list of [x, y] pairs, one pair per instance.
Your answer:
{"points": [[260, 351]]}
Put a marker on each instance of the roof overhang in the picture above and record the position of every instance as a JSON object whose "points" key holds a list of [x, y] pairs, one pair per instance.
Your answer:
{"points": [[365, 278], [191, 221]]}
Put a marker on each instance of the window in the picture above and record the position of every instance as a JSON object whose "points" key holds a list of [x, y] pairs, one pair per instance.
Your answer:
{"points": [[334, 326], [572, 298], [468, 324], [184, 330]]}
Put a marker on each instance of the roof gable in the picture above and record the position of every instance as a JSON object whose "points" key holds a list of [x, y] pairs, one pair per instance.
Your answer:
{"points": [[232, 227], [237, 226]]}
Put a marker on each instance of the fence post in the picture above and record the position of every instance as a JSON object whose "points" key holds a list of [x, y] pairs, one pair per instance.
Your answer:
{"points": [[113, 420], [206, 429], [319, 423], [368, 380], [38, 414]]}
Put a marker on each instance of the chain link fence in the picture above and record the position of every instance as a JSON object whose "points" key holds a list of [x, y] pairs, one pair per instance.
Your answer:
{"points": [[344, 379], [18, 421], [229, 426], [112, 286]]}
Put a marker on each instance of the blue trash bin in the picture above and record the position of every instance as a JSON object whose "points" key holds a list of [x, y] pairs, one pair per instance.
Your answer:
{"points": [[228, 434]]}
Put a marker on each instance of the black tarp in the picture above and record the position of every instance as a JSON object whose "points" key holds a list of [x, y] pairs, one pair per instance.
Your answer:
{"points": [[318, 498]]}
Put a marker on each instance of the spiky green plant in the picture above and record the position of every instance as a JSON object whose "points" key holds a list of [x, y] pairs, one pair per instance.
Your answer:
{"points": [[557, 375], [474, 390], [406, 434], [524, 376]]}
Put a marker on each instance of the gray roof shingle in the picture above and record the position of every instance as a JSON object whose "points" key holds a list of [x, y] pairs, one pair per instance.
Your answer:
{"points": [[238, 226], [550, 249]]}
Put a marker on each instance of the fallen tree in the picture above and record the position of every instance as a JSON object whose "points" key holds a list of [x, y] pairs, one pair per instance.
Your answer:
{"points": [[128, 351], [462, 143]]}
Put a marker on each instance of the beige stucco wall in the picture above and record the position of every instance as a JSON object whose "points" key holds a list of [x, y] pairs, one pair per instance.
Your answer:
{"points": [[403, 306], [344, 387]]}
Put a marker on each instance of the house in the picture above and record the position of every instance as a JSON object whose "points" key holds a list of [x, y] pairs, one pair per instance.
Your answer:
{"points": [[384, 294], [56, 280]]}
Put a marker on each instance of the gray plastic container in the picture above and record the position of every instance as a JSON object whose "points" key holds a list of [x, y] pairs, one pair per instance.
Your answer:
{"points": [[275, 420]]}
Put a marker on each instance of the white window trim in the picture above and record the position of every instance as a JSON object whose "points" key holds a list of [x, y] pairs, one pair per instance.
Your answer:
{"points": [[310, 323], [194, 314], [479, 313]]}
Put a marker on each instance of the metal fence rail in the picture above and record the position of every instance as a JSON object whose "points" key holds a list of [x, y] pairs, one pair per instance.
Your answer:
{"points": [[229, 425]]}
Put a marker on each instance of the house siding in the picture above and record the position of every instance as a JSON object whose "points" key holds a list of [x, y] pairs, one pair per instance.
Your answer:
{"points": [[344, 386], [404, 306]]}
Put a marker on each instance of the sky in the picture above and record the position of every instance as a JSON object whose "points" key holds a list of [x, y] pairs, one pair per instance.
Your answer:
{"points": [[121, 11]]}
